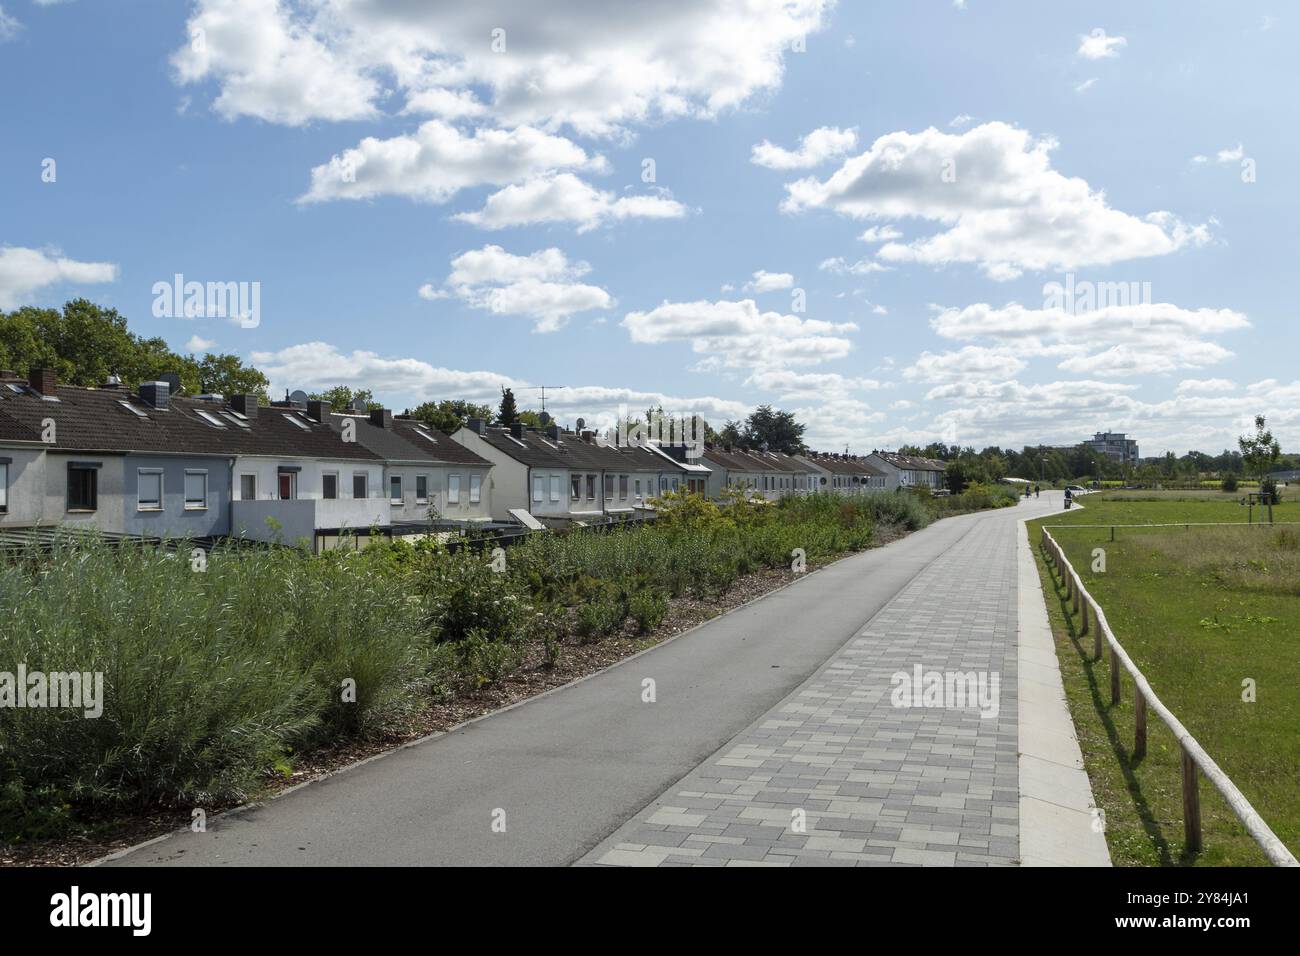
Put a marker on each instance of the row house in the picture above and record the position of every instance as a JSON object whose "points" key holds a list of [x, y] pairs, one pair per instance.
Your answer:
{"points": [[156, 464], [844, 474], [428, 480], [770, 475], [556, 474], [908, 471]]}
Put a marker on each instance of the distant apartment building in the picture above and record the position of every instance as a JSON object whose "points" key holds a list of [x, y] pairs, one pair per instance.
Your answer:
{"points": [[1116, 446]]}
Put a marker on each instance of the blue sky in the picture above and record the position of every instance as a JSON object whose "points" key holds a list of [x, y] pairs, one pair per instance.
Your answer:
{"points": [[854, 212]]}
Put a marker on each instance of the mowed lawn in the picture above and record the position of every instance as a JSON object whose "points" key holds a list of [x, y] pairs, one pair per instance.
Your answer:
{"points": [[1200, 610]]}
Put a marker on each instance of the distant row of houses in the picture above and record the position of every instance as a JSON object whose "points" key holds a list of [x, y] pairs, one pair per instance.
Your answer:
{"points": [[154, 463]]}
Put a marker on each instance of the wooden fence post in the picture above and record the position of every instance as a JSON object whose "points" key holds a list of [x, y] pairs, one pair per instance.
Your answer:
{"points": [[1114, 677], [1074, 585], [1140, 725], [1083, 616], [1191, 804], [1096, 643]]}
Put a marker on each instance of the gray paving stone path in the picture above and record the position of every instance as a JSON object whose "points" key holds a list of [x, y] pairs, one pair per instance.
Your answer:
{"points": [[836, 774]]}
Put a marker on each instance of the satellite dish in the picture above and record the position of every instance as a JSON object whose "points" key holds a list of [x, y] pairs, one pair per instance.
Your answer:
{"points": [[359, 404], [173, 382], [298, 397], [582, 423], [544, 418]]}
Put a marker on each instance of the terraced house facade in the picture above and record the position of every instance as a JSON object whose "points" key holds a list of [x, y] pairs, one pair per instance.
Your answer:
{"points": [[156, 464]]}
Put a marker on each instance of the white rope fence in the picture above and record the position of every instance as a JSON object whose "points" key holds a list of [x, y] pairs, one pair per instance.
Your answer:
{"points": [[1194, 756]]}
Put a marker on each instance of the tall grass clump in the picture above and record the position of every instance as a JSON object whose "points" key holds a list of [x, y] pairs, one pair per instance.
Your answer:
{"points": [[210, 678]]}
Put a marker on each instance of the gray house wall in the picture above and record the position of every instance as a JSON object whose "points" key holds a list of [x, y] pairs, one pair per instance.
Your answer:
{"points": [[174, 520], [411, 510], [109, 515], [26, 488]]}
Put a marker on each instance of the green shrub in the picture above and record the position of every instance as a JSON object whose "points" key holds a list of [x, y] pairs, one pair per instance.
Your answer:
{"points": [[209, 678], [599, 616], [647, 608], [464, 595]]}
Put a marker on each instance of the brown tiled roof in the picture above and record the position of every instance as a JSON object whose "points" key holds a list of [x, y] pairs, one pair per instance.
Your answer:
{"points": [[913, 462], [12, 430], [844, 465], [529, 449], [95, 420], [442, 449]]}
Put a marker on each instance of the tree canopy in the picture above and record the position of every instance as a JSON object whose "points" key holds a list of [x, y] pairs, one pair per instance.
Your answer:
{"points": [[85, 343]]}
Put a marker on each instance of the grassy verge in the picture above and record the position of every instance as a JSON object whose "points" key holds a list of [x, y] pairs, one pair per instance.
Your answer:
{"points": [[1200, 610]]}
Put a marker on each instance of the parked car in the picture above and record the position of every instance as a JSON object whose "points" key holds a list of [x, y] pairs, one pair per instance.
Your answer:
{"points": [[1076, 489]]}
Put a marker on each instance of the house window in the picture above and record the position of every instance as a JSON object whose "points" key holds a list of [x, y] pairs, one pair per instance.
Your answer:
{"points": [[196, 490], [622, 486], [575, 487], [537, 488], [637, 488], [329, 486], [453, 490], [83, 488], [475, 489], [395, 489], [4, 487], [149, 490], [421, 489], [287, 483], [555, 488], [609, 487], [248, 487], [591, 487], [360, 485]]}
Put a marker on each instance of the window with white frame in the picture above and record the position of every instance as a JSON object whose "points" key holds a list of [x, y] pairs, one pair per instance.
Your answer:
{"points": [[148, 493], [453, 489], [196, 490], [637, 488], [622, 486], [475, 489], [4, 487], [395, 489], [537, 488], [248, 487], [609, 486], [575, 487], [421, 489], [556, 483], [360, 485], [329, 485]]}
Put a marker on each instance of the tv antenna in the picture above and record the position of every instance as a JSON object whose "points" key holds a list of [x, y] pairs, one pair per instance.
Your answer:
{"points": [[542, 389]]}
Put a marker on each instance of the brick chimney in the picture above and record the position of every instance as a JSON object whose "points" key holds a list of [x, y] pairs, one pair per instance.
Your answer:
{"points": [[477, 425], [381, 417], [43, 380], [517, 431], [246, 405], [319, 411]]}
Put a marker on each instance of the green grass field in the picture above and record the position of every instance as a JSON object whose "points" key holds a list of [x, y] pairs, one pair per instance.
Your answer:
{"points": [[1200, 611]]}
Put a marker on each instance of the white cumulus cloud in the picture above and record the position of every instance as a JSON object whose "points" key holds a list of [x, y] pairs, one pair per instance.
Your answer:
{"points": [[997, 200]]}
